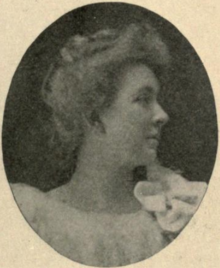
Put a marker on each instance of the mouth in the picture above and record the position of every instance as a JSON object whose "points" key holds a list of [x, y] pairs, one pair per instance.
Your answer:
{"points": [[153, 141]]}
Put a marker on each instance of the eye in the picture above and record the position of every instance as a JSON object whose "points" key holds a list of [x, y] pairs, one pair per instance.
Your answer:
{"points": [[143, 99]]}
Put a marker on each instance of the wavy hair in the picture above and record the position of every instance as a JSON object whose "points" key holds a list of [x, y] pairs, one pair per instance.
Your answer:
{"points": [[82, 82]]}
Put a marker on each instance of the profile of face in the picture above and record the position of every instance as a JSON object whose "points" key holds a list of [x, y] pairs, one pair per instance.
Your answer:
{"points": [[133, 122]]}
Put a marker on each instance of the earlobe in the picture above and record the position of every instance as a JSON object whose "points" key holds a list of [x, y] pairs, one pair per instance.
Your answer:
{"points": [[99, 126], [94, 124], [86, 122], [97, 123]]}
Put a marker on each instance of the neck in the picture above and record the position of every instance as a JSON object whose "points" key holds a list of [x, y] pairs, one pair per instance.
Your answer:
{"points": [[100, 185]]}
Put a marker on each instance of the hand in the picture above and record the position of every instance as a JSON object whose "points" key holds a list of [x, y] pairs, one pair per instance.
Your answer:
{"points": [[174, 206]]}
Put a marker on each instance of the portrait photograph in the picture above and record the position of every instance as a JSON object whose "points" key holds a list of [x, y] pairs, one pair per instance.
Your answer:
{"points": [[109, 135]]}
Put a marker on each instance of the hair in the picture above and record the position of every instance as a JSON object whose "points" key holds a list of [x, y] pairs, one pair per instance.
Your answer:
{"points": [[82, 82]]}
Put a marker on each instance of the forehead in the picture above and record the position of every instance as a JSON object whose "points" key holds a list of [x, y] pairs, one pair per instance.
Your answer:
{"points": [[138, 78]]}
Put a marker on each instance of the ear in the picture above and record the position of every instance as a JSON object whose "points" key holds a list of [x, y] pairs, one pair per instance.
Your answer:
{"points": [[94, 123], [99, 127]]}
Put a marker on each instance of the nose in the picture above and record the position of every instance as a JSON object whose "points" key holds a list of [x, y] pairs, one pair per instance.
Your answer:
{"points": [[160, 117]]}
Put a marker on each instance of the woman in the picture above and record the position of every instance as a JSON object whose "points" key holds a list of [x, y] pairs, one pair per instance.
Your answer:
{"points": [[102, 92]]}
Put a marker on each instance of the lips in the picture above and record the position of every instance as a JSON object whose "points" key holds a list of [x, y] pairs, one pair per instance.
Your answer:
{"points": [[153, 141]]}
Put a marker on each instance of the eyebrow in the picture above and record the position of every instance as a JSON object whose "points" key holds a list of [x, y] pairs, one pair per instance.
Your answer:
{"points": [[148, 90]]}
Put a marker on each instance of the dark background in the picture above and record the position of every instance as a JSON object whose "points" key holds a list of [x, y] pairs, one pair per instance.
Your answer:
{"points": [[189, 141]]}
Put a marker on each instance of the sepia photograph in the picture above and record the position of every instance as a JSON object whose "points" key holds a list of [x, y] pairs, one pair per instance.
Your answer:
{"points": [[109, 135]]}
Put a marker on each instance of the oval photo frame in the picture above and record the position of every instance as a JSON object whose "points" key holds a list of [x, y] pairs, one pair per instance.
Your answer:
{"points": [[38, 169]]}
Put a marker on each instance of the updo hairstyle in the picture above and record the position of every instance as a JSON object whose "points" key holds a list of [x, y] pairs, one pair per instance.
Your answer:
{"points": [[82, 82]]}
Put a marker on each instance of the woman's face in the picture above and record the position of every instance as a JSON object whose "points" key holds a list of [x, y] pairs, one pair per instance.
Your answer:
{"points": [[133, 122]]}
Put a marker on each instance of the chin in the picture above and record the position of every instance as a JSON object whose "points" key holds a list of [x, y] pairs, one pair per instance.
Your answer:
{"points": [[147, 158]]}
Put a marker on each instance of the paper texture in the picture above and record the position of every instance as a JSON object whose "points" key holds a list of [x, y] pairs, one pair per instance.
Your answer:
{"points": [[21, 22]]}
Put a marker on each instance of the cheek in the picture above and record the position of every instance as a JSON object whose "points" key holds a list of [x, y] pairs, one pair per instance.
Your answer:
{"points": [[127, 130], [138, 124], [131, 132], [135, 134]]}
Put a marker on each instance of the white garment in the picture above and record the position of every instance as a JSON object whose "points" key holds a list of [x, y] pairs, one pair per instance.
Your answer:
{"points": [[97, 239]]}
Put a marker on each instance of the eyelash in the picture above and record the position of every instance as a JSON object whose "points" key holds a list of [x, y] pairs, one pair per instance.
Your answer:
{"points": [[145, 99]]}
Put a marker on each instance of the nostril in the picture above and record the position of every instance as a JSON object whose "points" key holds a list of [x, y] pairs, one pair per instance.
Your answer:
{"points": [[160, 122], [166, 118], [162, 119], [160, 116]]}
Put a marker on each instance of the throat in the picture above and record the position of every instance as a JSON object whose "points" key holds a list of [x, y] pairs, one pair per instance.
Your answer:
{"points": [[103, 192], [101, 182]]}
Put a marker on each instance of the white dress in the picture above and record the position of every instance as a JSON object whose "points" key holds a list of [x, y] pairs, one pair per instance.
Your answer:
{"points": [[97, 239]]}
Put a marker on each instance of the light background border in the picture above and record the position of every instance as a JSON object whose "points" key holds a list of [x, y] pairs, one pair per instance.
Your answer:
{"points": [[21, 22]]}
